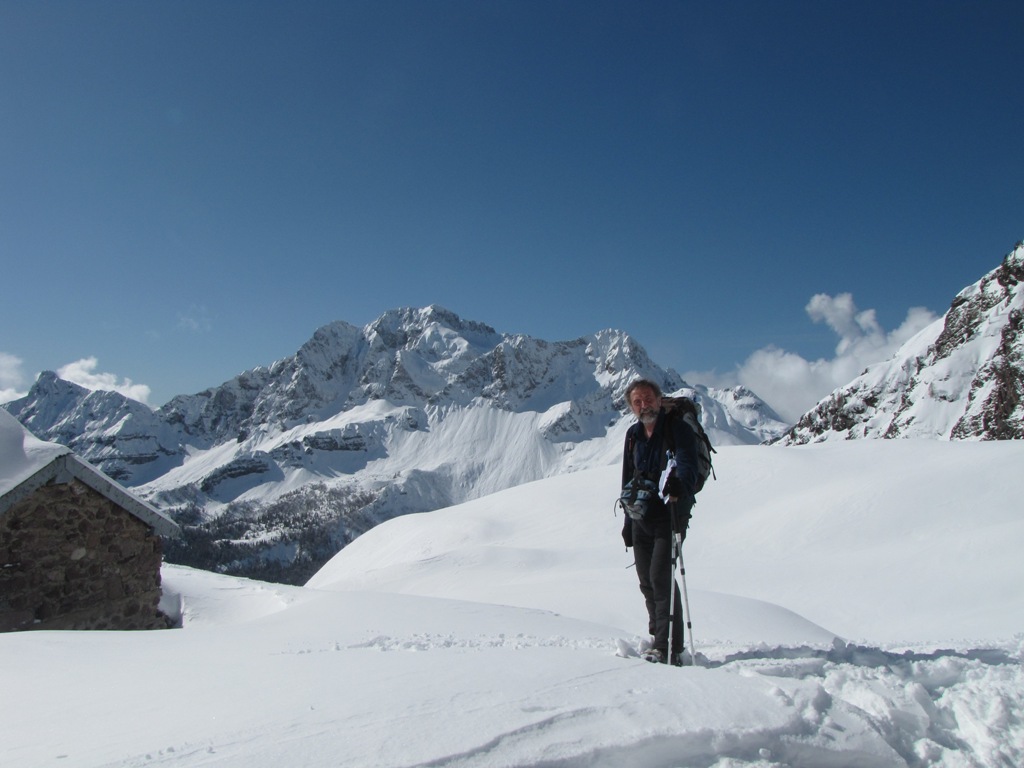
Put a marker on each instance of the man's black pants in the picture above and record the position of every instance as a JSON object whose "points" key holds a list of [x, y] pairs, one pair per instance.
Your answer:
{"points": [[652, 547]]}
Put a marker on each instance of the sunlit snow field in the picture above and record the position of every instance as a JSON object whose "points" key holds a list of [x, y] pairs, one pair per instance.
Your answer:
{"points": [[852, 604]]}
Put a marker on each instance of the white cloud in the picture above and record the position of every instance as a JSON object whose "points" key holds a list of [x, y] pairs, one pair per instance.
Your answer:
{"points": [[12, 379], [792, 385], [83, 372]]}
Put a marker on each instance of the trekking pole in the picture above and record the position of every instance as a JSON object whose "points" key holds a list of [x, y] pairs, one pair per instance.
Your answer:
{"points": [[677, 551], [672, 593], [686, 599]]}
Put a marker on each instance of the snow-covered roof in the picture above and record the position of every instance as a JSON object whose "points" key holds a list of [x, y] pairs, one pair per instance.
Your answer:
{"points": [[28, 463]]}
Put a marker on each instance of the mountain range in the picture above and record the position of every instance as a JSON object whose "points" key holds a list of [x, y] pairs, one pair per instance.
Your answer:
{"points": [[274, 471]]}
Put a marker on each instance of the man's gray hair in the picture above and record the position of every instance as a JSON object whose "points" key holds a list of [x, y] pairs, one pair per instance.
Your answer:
{"points": [[637, 383]]}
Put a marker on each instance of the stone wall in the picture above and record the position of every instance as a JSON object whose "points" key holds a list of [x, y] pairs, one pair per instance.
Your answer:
{"points": [[72, 559]]}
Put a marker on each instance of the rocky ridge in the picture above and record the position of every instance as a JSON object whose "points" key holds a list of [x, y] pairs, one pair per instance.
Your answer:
{"points": [[961, 378]]}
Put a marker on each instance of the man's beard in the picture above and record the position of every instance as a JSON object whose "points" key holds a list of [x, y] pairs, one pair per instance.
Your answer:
{"points": [[648, 416]]}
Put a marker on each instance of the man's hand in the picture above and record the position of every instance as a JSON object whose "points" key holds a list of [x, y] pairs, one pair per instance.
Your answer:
{"points": [[673, 488]]}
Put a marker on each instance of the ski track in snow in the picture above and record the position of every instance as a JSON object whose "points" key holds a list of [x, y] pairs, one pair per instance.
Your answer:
{"points": [[930, 707], [918, 701]]}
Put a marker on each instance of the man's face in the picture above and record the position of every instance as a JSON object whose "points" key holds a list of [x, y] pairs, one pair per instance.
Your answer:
{"points": [[645, 404]]}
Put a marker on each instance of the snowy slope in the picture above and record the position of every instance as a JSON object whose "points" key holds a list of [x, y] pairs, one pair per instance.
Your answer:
{"points": [[960, 378], [484, 635], [865, 517]]}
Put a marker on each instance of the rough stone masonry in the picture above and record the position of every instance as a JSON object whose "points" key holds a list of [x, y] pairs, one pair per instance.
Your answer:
{"points": [[70, 558]]}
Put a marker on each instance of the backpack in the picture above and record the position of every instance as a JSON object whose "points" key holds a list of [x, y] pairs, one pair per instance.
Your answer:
{"points": [[686, 409]]}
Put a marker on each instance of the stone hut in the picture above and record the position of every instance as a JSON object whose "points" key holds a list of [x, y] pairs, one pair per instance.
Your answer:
{"points": [[77, 550]]}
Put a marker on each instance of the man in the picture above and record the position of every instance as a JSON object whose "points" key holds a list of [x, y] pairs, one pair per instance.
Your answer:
{"points": [[655, 443]]}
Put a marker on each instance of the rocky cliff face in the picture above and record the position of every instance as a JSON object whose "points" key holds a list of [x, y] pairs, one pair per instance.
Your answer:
{"points": [[962, 378], [275, 470]]}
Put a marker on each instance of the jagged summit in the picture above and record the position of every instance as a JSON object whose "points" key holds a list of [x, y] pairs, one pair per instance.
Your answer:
{"points": [[961, 378], [433, 322]]}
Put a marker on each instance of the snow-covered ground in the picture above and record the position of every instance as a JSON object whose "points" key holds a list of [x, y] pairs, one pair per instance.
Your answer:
{"points": [[854, 604]]}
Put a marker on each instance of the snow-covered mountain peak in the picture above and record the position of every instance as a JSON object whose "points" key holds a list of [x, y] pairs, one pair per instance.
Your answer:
{"points": [[430, 328], [960, 378]]}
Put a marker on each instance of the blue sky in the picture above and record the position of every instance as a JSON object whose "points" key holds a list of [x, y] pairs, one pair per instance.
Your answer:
{"points": [[190, 189]]}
